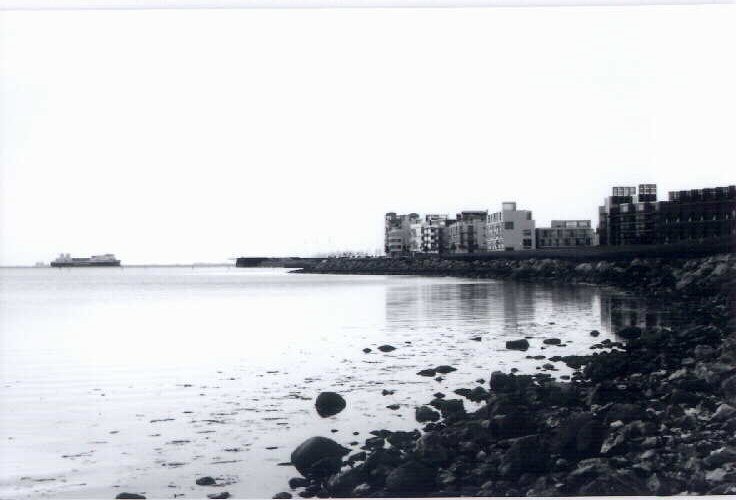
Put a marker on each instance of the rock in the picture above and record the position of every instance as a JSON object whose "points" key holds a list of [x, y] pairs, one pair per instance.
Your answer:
{"points": [[525, 455], [283, 494], [624, 412], [426, 414], [308, 455], [393, 407], [579, 436], [129, 496], [386, 392], [501, 382], [723, 412], [463, 392], [329, 403], [719, 457], [219, 496], [374, 443], [594, 333], [728, 387], [478, 394], [403, 439], [386, 348], [444, 369], [615, 444], [205, 481], [367, 350], [298, 482], [410, 479], [552, 341], [343, 483], [518, 345], [431, 449], [361, 490], [429, 372]]}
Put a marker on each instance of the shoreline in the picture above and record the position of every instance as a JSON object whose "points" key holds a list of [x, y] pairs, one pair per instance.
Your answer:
{"points": [[654, 414]]}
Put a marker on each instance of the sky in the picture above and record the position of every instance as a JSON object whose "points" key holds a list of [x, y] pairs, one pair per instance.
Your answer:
{"points": [[178, 136]]}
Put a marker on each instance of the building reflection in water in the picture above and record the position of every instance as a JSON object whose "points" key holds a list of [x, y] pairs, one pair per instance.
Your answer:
{"points": [[510, 308], [619, 311]]}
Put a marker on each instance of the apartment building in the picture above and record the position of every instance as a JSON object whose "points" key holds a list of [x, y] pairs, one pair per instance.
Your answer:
{"points": [[565, 233], [696, 215], [510, 229], [398, 233], [434, 234], [467, 234], [691, 215]]}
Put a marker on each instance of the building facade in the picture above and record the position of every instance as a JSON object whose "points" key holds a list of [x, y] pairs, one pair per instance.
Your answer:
{"points": [[467, 234], [565, 233], [434, 234], [398, 233], [510, 229], [695, 215]]}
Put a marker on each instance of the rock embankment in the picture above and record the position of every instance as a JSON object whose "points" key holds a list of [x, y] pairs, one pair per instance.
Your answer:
{"points": [[658, 276], [655, 416]]}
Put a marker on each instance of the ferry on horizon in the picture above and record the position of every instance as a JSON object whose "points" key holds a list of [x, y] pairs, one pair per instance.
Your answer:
{"points": [[66, 260]]}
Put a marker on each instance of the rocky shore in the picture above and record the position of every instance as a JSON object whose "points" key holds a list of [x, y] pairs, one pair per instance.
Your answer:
{"points": [[659, 275], [653, 414]]}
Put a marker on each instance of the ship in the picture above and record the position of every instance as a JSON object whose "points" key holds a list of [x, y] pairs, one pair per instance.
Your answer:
{"points": [[66, 260]]}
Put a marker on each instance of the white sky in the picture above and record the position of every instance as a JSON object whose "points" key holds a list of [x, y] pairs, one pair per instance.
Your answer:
{"points": [[181, 136]]}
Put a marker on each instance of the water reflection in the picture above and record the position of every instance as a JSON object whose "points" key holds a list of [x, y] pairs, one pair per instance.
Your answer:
{"points": [[514, 307], [619, 311]]}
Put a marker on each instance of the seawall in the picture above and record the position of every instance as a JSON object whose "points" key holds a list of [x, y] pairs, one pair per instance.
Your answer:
{"points": [[660, 276]]}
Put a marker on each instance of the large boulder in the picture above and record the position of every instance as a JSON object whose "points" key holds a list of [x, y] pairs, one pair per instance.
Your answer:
{"points": [[317, 456], [579, 436], [525, 454], [411, 479], [329, 403]]}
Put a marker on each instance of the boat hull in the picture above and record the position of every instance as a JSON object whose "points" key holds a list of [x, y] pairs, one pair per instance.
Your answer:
{"points": [[114, 263]]}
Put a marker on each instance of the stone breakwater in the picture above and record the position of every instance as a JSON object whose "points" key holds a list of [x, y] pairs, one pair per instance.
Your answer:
{"points": [[654, 414], [660, 276]]}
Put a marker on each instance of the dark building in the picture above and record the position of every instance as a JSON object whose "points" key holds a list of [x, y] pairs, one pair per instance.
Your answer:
{"points": [[609, 215], [695, 215]]}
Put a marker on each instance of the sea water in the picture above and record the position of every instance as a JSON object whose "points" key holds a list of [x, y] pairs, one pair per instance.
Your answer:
{"points": [[143, 379]]}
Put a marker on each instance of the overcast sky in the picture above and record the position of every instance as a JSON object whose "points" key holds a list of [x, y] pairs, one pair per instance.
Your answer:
{"points": [[181, 136]]}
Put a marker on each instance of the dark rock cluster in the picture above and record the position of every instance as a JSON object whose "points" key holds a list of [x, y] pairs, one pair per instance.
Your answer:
{"points": [[655, 415]]}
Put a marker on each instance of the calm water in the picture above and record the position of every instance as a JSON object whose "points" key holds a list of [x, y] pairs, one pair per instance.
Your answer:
{"points": [[143, 379]]}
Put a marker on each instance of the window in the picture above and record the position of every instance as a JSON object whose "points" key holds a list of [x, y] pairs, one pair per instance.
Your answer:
{"points": [[508, 225]]}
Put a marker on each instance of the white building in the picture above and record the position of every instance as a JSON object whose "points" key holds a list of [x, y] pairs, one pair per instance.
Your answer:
{"points": [[398, 233], [433, 234], [510, 229], [468, 233]]}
